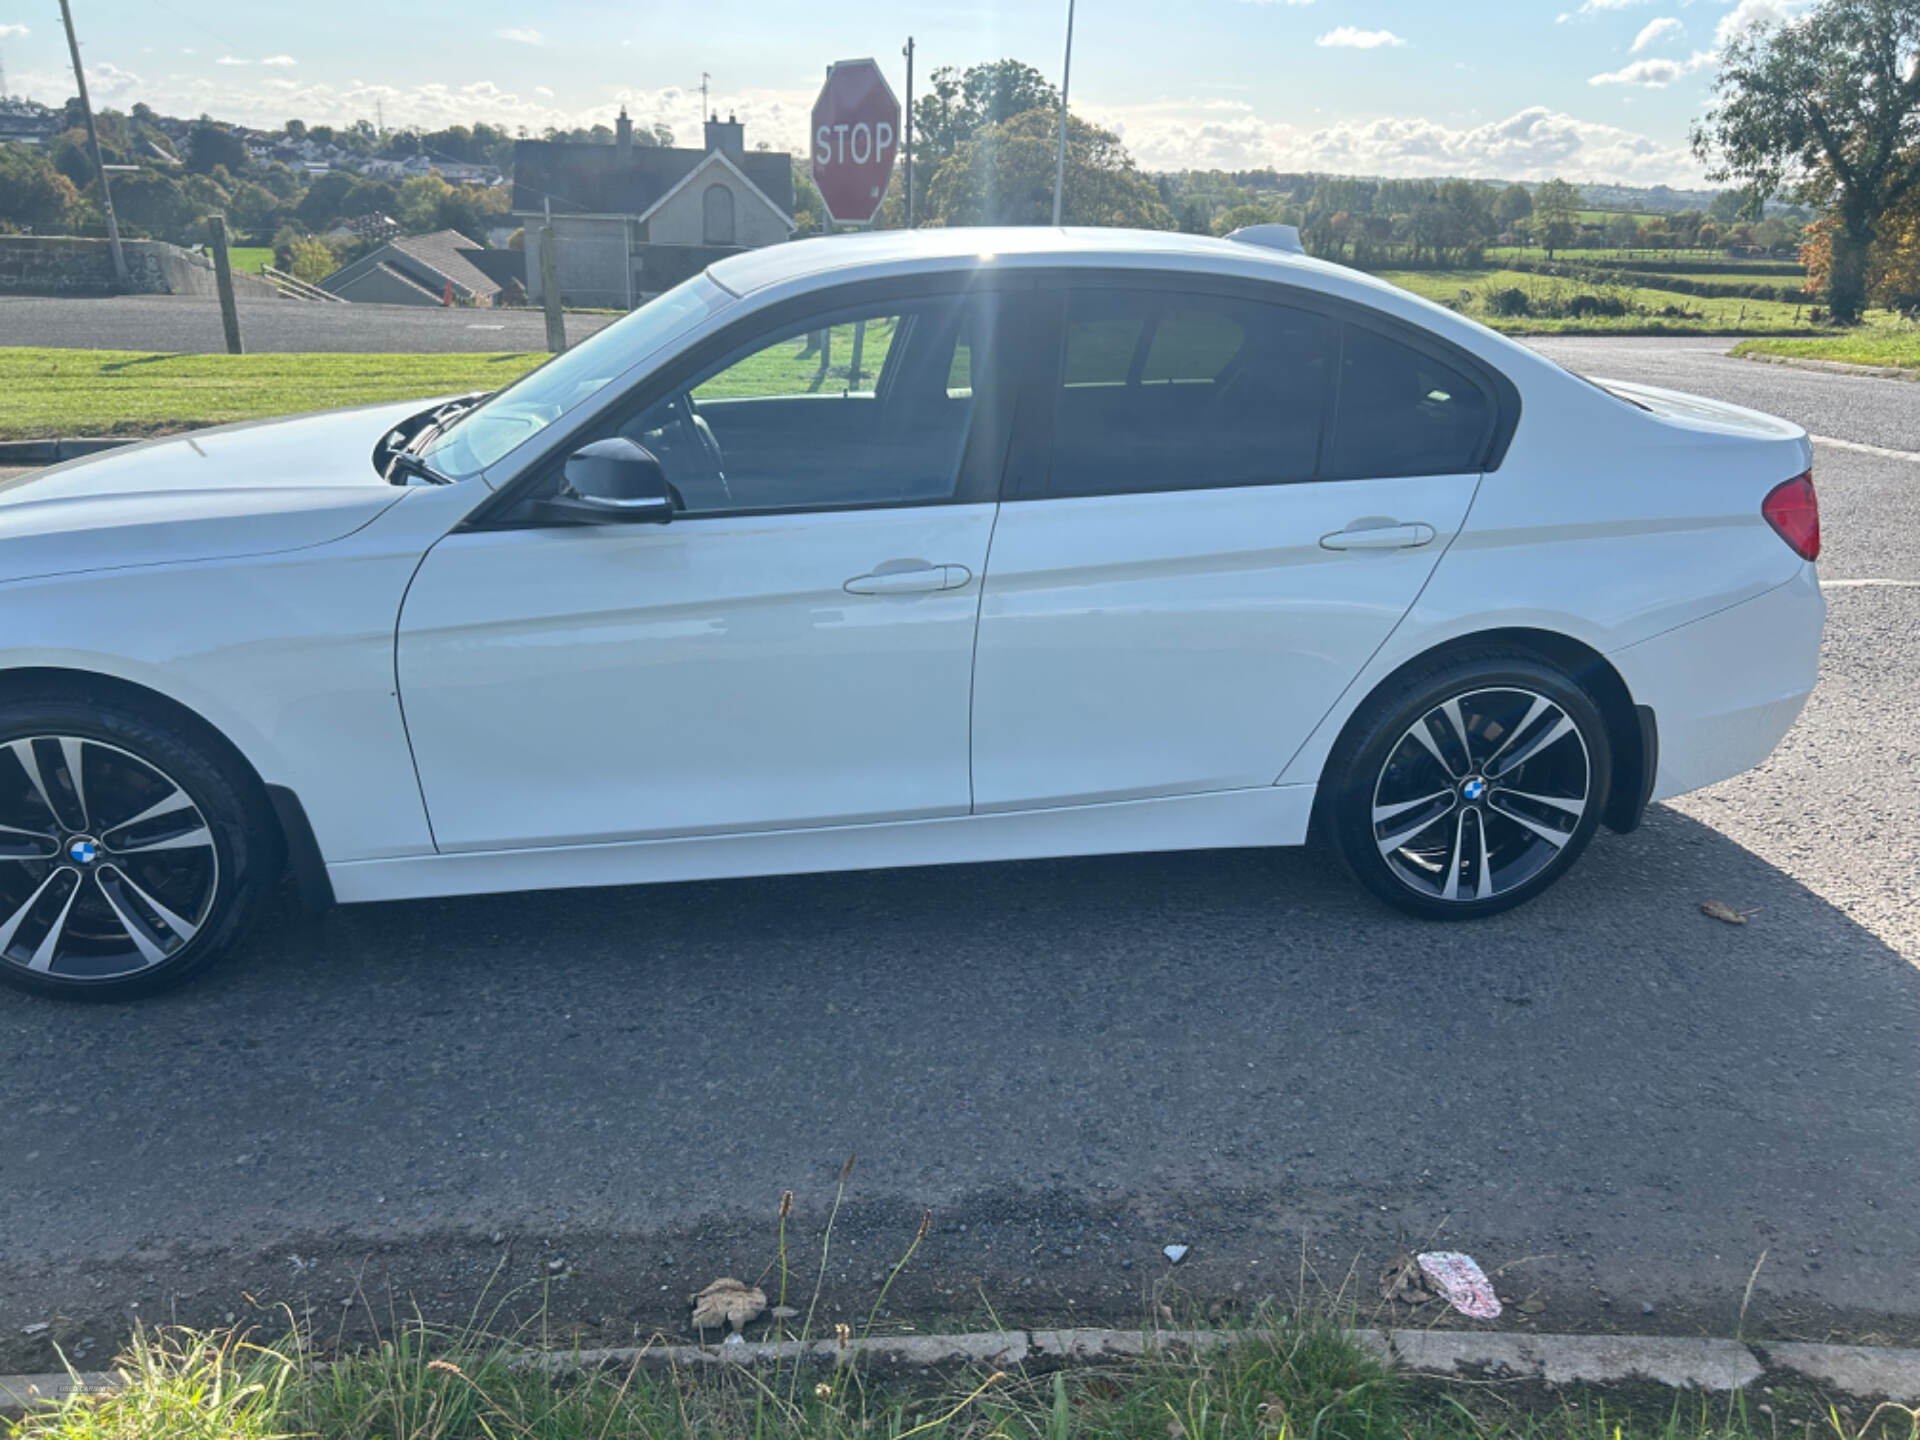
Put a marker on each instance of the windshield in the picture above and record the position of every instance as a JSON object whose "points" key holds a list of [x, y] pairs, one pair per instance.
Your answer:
{"points": [[476, 439]]}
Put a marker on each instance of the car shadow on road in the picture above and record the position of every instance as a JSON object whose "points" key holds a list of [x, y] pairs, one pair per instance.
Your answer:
{"points": [[1606, 1077]]}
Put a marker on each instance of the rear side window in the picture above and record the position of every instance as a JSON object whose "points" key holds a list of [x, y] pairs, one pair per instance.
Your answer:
{"points": [[1402, 412], [1170, 391]]}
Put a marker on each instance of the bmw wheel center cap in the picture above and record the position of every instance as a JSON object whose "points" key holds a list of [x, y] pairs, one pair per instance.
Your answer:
{"points": [[1474, 788], [83, 851]]}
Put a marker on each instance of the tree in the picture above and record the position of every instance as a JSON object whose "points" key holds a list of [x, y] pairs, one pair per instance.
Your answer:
{"points": [[1514, 203], [209, 145], [959, 105], [311, 260], [1829, 105], [418, 209], [1004, 176], [33, 194], [1556, 214], [1623, 231]]}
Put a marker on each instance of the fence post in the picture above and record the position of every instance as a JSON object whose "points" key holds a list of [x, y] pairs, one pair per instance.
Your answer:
{"points": [[550, 292], [223, 281]]}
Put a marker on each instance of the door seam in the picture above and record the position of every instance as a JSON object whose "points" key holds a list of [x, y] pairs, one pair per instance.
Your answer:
{"points": [[973, 663]]}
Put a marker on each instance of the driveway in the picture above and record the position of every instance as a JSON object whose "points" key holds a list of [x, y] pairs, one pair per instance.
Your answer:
{"points": [[1613, 1101]]}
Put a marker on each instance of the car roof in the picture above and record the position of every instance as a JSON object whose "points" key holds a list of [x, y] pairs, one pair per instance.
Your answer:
{"points": [[946, 248]]}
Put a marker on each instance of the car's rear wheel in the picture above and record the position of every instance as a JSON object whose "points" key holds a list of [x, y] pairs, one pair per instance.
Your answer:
{"points": [[1472, 786], [132, 851]]}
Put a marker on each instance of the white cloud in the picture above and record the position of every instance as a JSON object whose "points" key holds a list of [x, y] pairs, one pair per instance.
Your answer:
{"points": [[521, 35], [543, 92], [1656, 74], [7, 32], [1655, 32], [1749, 13], [1594, 7], [1535, 144], [1349, 37], [232, 60], [280, 61]]}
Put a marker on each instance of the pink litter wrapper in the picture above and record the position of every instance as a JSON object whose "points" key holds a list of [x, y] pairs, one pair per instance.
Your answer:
{"points": [[1463, 1283]]}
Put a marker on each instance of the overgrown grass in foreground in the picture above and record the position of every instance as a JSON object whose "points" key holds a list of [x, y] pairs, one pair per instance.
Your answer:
{"points": [[1292, 1379], [1892, 343], [46, 392]]}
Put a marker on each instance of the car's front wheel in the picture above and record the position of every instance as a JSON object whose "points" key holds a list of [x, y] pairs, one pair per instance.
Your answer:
{"points": [[1472, 786], [132, 851]]}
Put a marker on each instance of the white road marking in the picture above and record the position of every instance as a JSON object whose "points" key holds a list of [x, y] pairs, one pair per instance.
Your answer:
{"points": [[502, 327], [1854, 445], [1869, 584]]}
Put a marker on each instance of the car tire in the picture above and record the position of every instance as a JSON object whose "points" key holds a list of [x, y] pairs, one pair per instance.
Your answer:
{"points": [[1469, 785], [136, 873]]}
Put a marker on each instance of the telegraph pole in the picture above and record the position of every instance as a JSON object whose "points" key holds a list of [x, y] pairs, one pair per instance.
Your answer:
{"points": [[1060, 160], [120, 275], [908, 127]]}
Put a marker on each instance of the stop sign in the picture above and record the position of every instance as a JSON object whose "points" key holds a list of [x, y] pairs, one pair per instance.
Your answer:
{"points": [[856, 135]]}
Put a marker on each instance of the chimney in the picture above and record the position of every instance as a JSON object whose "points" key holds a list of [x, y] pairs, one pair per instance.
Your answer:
{"points": [[623, 134], [728, 136]]}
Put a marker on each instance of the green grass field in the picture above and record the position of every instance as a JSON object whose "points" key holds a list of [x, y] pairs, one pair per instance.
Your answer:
{"points": [[1888, 343], [249, 257], [121, 392], [1704, 317]]}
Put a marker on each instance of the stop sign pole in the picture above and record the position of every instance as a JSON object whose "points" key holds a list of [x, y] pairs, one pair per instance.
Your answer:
{"points": [[856, 137]]}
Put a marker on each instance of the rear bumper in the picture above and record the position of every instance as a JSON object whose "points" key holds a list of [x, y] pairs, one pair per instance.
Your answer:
{"points": [[1726, 688]]}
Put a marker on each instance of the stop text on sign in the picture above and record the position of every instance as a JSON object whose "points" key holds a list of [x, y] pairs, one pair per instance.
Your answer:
{"points": [[858, 143]]}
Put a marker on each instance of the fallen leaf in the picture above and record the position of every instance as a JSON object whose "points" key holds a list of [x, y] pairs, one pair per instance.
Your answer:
{"points": [[1404, 1282], [1720, 910], [727, 1300]]}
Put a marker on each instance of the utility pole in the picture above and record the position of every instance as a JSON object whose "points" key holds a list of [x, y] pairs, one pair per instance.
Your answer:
{"points": [[1060, 159], [908, 52], [120, 276], [704, 78], [223, 281]]}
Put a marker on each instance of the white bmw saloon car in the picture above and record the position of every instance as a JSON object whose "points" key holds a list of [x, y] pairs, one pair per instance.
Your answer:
{"points": [[899, 549]]}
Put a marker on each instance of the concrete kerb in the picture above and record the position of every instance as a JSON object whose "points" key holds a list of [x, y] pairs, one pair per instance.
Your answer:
{"points": [[1861, 1372], [52, 452]]}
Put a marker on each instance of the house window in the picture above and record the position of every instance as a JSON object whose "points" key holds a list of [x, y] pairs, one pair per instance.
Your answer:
{"points": [[716, 208]]}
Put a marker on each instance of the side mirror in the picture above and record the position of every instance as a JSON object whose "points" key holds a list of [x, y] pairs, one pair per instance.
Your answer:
{"points": [[616, 481]]}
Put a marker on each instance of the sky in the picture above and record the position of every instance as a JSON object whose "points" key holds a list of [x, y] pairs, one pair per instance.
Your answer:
{"points": [[1595, 90]]}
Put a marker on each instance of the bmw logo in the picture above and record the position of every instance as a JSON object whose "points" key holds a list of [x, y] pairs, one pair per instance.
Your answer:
{"points": [[1474, 788], [83, 851]]}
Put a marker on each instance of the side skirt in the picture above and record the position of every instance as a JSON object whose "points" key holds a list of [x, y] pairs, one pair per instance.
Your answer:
{"points": [[1230, 819]]}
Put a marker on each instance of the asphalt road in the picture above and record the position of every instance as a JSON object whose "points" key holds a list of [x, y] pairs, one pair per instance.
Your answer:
{"points": [[185, 324], [1612, 1101]]}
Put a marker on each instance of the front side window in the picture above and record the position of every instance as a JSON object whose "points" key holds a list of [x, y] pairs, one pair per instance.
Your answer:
{"points": [[856, 408], [1187, 392], [526, 407]]}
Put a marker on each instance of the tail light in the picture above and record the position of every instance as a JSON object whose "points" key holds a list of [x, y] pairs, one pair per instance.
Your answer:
{"points": [[1794, 512]]}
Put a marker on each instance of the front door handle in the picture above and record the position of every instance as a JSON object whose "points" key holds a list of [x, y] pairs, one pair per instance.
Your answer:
{"points": [[910, 582], [1379, 537]]}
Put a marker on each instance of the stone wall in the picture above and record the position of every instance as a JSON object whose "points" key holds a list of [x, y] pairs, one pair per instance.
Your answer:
{"points": [[70, 265]]}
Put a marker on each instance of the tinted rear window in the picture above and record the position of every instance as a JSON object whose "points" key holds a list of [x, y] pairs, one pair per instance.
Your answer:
{"points": [[1402, 412], [1187, 392]]}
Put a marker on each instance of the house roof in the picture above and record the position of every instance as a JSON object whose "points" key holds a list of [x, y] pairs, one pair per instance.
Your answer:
{"points": [[430, 261], [588, 179]]}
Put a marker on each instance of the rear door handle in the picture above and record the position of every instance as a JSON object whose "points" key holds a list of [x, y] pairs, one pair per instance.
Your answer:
{"points": [[910, 582], [1379, 537]]}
